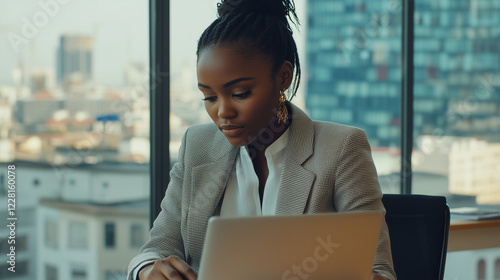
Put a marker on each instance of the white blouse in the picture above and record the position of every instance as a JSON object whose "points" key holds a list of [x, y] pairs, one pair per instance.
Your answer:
{"points": [[241, 197]]}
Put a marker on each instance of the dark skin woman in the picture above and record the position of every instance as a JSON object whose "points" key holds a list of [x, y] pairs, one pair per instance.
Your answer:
{"points": [[247, 60]]}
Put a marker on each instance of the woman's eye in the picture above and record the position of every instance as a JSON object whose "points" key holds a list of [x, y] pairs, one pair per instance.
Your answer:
{"points": [[210, 98], [242, 95]]}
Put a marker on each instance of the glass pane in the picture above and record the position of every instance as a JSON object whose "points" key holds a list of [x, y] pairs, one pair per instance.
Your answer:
{"points": [[354, 74], [187, 107], [457, 109], [457, 101], [74, 122]]}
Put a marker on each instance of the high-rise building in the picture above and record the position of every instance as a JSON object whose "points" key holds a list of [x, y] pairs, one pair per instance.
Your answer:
{"points": [[74, 59], [354, 61]]}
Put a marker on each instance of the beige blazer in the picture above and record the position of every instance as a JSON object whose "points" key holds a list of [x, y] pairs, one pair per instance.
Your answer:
{"points": [[328, 168]]}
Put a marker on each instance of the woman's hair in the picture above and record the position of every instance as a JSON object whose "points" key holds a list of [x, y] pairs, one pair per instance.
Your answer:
{"points": [[256, 27]]}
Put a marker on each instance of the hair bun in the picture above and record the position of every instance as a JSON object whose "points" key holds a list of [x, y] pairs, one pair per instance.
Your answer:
{"points": [[279, 8]]}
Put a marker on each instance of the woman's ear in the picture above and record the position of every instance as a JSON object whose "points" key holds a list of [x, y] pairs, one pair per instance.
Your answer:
{"points": [[285, 75]]}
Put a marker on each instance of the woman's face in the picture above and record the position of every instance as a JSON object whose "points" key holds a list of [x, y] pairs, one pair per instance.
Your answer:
{"points": [[241, 94]]}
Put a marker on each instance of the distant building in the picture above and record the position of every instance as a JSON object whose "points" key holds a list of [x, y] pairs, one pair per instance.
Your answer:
{"points": [[31, 113], [473, 264], [354, 63], [74, 59], [33, 181], [475, 170], [88, 241], [92, 108], [92, 219], [41, 80], [354, 79]]}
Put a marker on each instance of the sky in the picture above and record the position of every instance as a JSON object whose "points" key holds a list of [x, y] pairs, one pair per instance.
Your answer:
{"points": [[120, 29], [119, 36]]}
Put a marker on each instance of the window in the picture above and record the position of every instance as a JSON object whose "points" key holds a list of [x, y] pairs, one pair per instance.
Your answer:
{"points": [[51, 234], [497, 269], [3, 186], [481, 270], [77, 235], [187, 109], [456, 139], [359, 67], [136, 235], [4, 245], [4, 272], [78, 274], [50, 272], [22, 243], [21, 270], [457, 148], [109, 235]]}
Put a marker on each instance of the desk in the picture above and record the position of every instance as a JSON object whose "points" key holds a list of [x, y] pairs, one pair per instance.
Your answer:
{"points": [[473, 235]]}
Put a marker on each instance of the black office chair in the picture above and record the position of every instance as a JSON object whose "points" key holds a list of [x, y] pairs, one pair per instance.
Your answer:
{"points": [[418, 228]]}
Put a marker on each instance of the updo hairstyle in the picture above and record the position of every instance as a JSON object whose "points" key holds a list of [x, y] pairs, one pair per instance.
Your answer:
{"points": [[256, 27]]}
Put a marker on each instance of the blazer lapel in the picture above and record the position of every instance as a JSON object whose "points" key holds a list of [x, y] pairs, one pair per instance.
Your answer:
{"points": [[294, 189], [208, 182], [296, 181]]}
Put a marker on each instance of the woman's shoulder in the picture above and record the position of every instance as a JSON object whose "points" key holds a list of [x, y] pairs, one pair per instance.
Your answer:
{"points": [[337, 130], [200, 131], [307, 125], [205, 143]]}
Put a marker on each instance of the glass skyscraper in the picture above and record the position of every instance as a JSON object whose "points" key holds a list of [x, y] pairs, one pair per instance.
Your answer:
{"points": [[354, 61], [74, 58]]}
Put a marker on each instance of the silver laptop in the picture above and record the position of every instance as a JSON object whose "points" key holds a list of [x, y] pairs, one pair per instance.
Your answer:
{"points": [[326, 246]]}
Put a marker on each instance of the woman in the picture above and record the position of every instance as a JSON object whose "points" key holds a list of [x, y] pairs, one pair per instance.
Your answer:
{"points": [[262, 155]]}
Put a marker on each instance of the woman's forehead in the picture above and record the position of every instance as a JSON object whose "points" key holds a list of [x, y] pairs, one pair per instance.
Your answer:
{"points": [[226, 58]]}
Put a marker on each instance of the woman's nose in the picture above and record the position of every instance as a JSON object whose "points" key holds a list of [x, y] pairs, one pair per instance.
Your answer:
{"points": [[226, 109]]}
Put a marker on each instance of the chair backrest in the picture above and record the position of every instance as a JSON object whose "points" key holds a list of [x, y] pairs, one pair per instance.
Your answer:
{"points": [[418, 228]]}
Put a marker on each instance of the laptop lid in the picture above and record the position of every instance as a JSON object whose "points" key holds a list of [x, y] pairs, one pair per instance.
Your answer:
{"points": [[322, 246]]}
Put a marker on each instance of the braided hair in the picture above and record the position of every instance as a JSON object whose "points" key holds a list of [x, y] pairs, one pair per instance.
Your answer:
{"points": [[256, 27]]}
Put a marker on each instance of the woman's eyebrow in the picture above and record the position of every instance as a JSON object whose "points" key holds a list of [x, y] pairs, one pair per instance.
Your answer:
{"points": [[228, 84]]}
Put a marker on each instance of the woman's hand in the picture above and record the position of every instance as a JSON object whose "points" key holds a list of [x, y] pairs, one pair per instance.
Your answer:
{"points": [[377, 277], [171, 268]]}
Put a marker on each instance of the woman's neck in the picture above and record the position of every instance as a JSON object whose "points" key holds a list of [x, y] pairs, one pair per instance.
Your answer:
{"points": [[268, 136]]}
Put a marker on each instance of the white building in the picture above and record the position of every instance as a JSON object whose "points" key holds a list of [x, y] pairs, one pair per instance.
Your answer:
{"points": [[75, 197], [475, 170], [85, 241], [476, 264]]}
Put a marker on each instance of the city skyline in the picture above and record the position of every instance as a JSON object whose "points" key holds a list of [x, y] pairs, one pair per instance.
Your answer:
{"points": [[118, 40]]}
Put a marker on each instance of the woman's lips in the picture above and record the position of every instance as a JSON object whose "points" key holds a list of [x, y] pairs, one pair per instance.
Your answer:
{"points": [[231, 130]]}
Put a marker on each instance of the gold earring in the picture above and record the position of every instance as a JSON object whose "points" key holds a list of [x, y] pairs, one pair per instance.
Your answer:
{"points": [[282, 110]]}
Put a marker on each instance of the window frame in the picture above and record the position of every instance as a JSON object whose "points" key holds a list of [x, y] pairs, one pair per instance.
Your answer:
{"points": [[159, 39], [407, 99]]}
